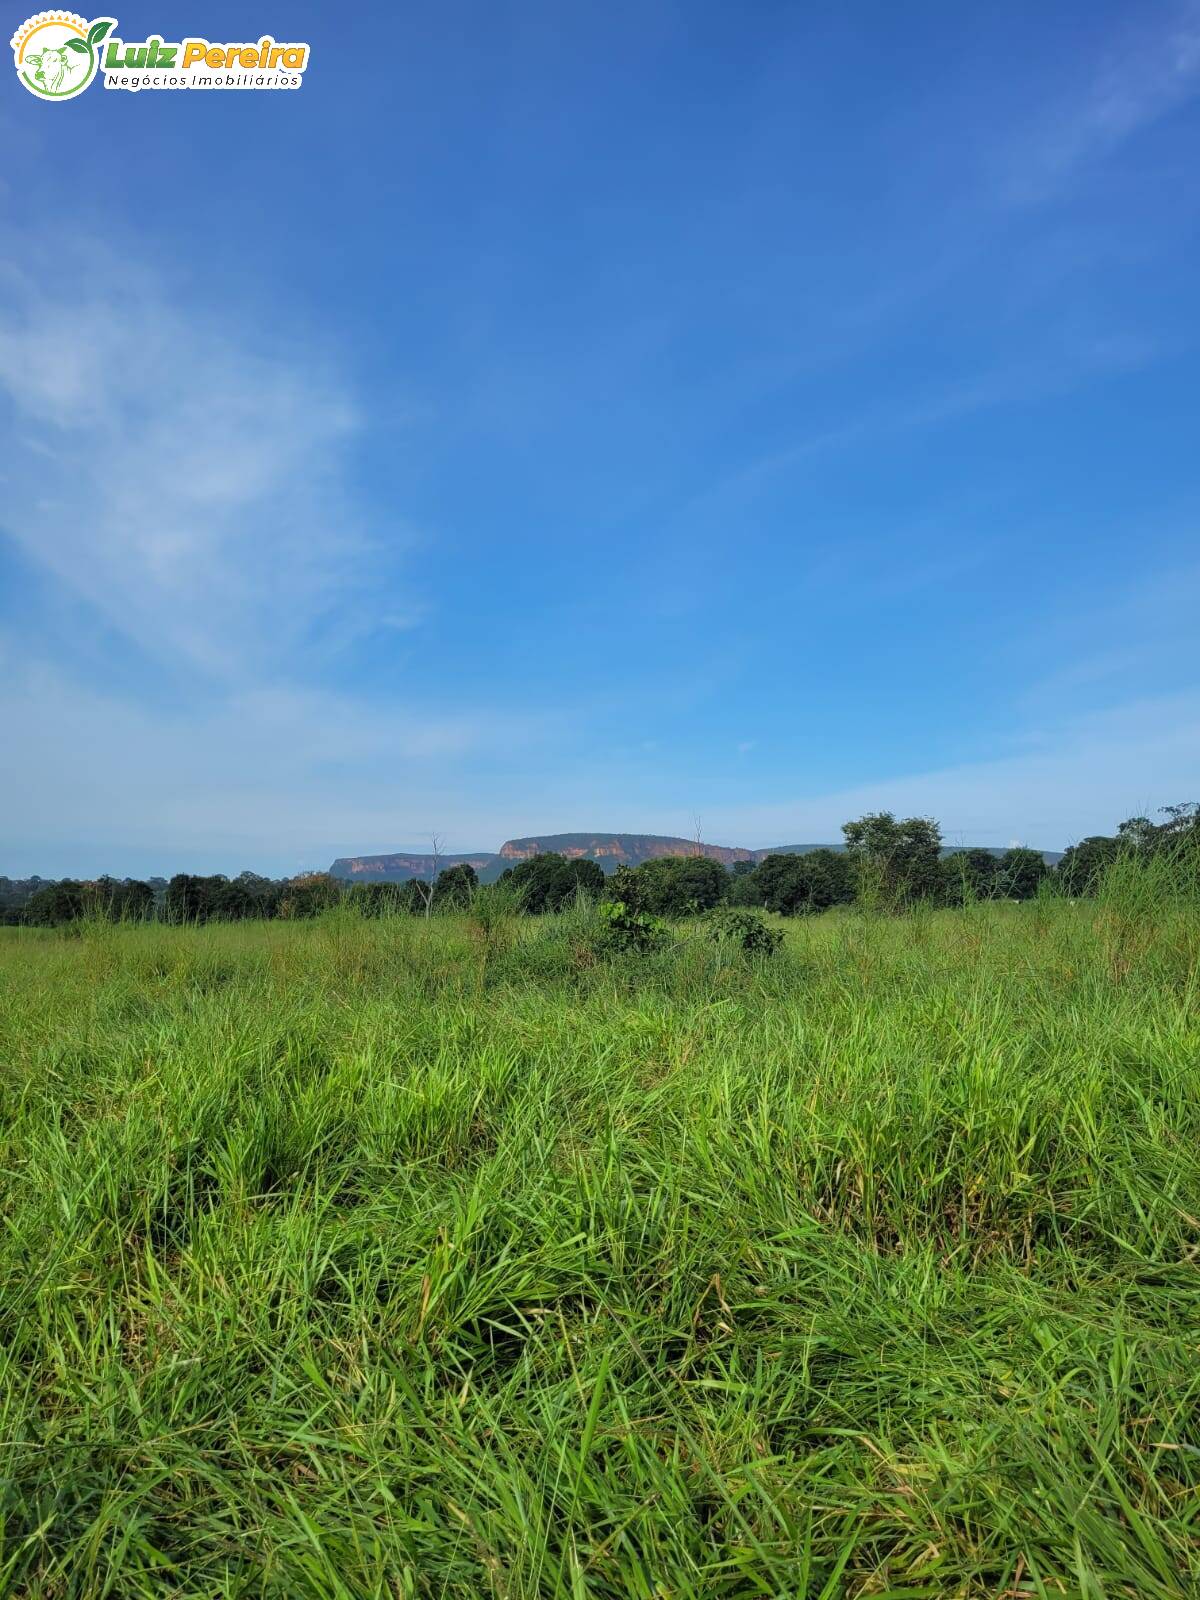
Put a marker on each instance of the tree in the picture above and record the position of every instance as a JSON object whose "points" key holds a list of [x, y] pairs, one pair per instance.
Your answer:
{"points": [[248, 895], [1082, 864], [194, 899], [426, 889], [309, 894], [1182, 824], [798, 885], [132, 900], [455, 887], [235, 901], [384, 899], [680, 886], [117, 899], [743, 887], [969, 875], [901, 858], [1137, 833], [549, 882], [56, 903], [1182, 827], [1020, 872]]}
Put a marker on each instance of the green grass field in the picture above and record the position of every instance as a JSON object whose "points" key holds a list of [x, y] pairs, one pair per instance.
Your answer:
{"points": [[426, 1259]]}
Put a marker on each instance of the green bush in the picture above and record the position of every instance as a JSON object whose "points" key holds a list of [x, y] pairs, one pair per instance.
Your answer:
{"points": [[622, 930], [746, 930]]}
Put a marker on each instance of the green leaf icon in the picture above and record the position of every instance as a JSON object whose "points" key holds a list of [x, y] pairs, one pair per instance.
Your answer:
{"points": [[97, 31], [77, 44]]}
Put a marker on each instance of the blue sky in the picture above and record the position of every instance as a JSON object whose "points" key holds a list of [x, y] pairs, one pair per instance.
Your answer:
{"points": [[559, 417]]}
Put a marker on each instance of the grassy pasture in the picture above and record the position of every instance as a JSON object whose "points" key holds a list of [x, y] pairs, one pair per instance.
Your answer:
{"points": [[407, 1258]]}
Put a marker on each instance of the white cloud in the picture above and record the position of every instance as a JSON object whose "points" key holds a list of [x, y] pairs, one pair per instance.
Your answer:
{"points": [[181, 466], [265, 777], [1145, 75], [184, 472], [1059, 367], [277, 779], [190, 484]]}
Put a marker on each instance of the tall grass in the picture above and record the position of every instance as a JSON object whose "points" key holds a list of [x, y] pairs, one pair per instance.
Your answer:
{"points": [[443, 1258]]}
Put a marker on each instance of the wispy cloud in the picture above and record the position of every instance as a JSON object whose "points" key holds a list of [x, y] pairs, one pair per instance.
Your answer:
{"points": [[1054, 371], [185, 472], [1145, 74], [1130, 638], [267, 777], [181, 466]]}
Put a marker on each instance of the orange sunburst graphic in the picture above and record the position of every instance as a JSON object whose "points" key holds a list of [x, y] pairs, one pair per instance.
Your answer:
{"points": [[56, 52], [46, 19]]}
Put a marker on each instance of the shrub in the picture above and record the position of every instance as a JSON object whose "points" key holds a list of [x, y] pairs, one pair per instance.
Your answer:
{"points": [[627, 885], [493, 911], [623, 930], [747, 930]]}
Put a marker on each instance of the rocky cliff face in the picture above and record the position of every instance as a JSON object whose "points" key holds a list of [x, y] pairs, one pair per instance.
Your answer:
{"points": [[400, 867], [614, 850], [610, 850]]}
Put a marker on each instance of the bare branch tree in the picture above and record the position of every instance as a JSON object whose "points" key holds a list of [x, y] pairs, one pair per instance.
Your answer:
{"points": [[425, 890]]}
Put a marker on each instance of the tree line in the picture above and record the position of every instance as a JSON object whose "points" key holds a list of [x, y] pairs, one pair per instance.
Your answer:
{"points": [[887, 863]]}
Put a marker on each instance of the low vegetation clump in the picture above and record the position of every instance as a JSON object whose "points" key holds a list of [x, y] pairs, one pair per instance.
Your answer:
{"points": [[747, 931], [487, 1254], [621, 929]]}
